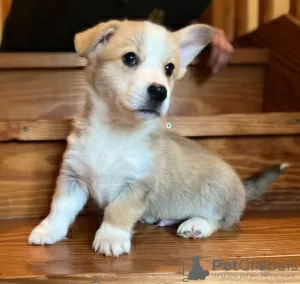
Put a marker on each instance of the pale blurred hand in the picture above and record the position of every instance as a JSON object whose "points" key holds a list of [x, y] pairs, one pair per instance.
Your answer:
{"points": [[221, 51]]}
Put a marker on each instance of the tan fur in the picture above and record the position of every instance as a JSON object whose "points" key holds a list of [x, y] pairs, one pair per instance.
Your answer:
{"points": [[121, 156]]}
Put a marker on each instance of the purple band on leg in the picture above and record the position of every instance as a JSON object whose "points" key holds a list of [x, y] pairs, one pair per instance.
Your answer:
{"points": [[166, 223]]}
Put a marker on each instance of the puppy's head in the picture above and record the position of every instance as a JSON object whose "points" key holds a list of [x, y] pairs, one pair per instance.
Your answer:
{"points": [[133, 65]]}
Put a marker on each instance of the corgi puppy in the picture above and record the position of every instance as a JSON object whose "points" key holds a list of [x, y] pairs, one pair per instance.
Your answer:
{"points": [[119, 154]]}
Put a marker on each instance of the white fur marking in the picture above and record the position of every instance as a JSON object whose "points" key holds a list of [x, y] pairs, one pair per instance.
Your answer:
{"points": [[108, 158], [196, 228], [111, 241], [64, 209], [46, 233], [284, 166]]}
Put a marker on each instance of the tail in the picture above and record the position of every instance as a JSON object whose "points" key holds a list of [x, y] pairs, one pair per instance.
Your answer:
{"points": [[258, 184]]}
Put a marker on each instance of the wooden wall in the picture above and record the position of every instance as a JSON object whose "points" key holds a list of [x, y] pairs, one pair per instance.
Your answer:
{"points": [[238, 17], [4, 10], [235, 17]]}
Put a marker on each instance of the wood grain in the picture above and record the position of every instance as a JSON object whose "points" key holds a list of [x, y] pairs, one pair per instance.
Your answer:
{"points": [[41, 86], [235, 124], [282, 91], [237, 89], [202, 126], [247, 55], [53, 60], [260, 236], [247, 16], [43, 94], [40, 94], [5, 6], [241, 56], [164, 278], [272, 9], [223, 16], [41, 60], [28, 172], [281, 38], [27, 176], [35, 130], [295, 8], [282, 83]]}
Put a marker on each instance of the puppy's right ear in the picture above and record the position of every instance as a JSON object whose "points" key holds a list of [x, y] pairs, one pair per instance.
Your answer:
{"points": [[88, 41]]}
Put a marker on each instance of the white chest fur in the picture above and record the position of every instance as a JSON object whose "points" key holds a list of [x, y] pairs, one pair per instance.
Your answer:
{"points": [[107, 158]]}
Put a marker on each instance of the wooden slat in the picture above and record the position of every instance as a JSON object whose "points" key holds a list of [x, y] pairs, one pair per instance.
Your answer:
{"points": [[247, 14], [203, 126], [282, 92], [246, 55], [30, 60], [59, 93], [281, 37], [295, 8], [5, 6], [237, 89], [237, 125], [223, 16], [28, 172], [41, 130], [41, 94], [215, 277], [23, 60], [271, 236], [272, 9]]}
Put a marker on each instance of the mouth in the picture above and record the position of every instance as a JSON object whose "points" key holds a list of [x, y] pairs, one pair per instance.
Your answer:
{"points": [[149, 111], [142, 113]]}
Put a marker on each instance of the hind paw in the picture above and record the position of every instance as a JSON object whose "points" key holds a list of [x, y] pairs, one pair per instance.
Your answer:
{"points": [[196, 228]]}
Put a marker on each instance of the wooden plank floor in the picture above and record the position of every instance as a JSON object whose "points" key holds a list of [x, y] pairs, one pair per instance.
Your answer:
{"points": [[273, 236]]}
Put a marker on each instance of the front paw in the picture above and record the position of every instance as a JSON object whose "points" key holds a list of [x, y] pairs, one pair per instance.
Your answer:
{"points": [[111, 241], [46, 234]]}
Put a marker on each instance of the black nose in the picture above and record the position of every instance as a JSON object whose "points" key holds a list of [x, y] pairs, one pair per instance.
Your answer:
{"points": [[157, 93]]}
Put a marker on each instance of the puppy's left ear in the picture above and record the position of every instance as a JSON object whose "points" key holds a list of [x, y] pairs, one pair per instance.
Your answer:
{"points": [[192, 40], [87, 41]]}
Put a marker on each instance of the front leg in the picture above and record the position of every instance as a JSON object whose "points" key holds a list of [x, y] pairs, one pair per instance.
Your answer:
{"points": [[69, 198], [113, 238]]}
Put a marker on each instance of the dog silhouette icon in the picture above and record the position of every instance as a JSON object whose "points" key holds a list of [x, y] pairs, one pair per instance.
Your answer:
{"points": [[197, 272]]}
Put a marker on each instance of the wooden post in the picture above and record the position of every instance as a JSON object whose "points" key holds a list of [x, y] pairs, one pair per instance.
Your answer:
{"points": [[4, 10], [247, 16], [272, 9], [1, 19], [295, 8], [223, 16]]}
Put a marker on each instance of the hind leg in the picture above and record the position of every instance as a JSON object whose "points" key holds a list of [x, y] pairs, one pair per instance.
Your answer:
{"points": [[159, 223], [168, 223], [197, 228], [149, 220]]}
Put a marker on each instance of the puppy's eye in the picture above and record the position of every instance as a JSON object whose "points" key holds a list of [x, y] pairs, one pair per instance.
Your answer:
{"points": [[169, 68], [130, 59]]}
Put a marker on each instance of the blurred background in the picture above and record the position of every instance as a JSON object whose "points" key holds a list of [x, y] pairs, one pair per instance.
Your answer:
{"points": [[235, 17]]}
